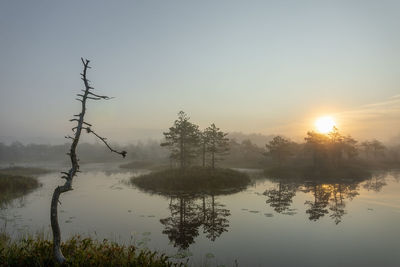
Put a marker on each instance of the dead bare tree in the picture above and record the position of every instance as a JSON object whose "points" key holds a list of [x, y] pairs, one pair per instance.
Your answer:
{"points": [[68, 176]]}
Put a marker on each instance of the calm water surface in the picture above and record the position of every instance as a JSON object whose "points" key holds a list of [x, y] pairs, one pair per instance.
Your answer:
{"points": [[271, 223]]}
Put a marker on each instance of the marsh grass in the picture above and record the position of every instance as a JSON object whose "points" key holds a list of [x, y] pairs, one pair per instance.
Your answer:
{"points": [[13, 186], [192, 180], [18, 181], [79, 252]]}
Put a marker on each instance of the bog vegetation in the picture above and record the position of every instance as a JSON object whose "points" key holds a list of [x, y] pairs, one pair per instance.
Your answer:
{"points": [[16, 182], [79, 252], [189, 147]]}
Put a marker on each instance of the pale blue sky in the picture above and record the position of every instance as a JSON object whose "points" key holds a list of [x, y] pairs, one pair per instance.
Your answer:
{"points": [[252, 66]]}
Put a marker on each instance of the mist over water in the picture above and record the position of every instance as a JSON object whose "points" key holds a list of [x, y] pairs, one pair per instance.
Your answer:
{"points": [[221, 133], [305, 220]]}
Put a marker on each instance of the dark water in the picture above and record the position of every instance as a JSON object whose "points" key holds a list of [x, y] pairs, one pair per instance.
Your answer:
{"points": [[272, 223]]}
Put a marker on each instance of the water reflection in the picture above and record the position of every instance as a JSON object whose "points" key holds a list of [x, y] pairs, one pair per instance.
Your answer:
{"points": [[189, 214], [327, 198], [376, 183], [281, 198]]}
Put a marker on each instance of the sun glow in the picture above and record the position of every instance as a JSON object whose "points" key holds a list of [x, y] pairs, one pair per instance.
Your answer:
{"points": [[325, 124]]}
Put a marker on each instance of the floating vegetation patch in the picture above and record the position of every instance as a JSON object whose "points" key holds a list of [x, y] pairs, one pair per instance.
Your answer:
{"points": [[182, 254], [210, 256], [291, 213], [254, 211]]}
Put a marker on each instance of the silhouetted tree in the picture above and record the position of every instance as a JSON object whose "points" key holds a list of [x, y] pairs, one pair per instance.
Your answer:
{"points": [[183, 140], [330, 149], [340, 146], [204, 144], [373, 147], [316, 143], [217, 143], [279, 148], [82, 125]]}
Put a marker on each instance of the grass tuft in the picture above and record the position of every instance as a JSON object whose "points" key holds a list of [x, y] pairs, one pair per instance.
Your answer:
{"points": [[79, 252], [12, 186]]}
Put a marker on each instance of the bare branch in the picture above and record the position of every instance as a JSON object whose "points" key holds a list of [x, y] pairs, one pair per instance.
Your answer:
{"points": [[94, 98], [101, 96], [122, 153], [68, 176]]}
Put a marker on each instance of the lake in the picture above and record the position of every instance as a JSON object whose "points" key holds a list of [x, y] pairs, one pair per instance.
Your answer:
{"points": [[271, 223]]}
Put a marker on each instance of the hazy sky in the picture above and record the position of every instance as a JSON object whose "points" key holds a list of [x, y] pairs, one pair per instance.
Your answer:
{"points": [[253, 66]]}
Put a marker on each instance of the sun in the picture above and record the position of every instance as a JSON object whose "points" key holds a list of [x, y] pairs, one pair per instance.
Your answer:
{"points": [[325, 124]]}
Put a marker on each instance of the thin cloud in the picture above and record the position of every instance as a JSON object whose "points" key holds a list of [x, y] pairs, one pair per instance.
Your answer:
{"points": [[376, 120]]}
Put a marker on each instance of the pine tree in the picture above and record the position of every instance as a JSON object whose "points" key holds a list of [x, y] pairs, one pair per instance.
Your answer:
{"points": [[183, 140], [217, 143]]}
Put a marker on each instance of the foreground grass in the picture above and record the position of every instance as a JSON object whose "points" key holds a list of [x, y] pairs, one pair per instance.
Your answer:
{"points": [[192, 180], [79, 252]]}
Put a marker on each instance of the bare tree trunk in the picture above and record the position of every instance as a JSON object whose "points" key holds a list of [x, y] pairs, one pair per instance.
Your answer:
{"points": [[68, 176], [204, 154]]}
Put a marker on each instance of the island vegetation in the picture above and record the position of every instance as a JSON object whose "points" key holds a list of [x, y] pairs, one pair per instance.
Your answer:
{"points": [[326, 156], [194, 180], [189, 148], [18, 181]]}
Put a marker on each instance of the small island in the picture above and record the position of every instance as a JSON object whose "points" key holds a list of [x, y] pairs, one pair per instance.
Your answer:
{"points": [[195, 180], [18, 181], [324, 156], [188, 146]]}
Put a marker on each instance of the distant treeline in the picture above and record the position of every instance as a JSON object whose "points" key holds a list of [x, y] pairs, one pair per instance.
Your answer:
{"points": [[244, 152], [332, 153], [18, 153]]}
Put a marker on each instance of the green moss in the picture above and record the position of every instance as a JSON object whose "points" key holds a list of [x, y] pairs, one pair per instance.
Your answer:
{"points": [[195, 180], [79, 252]]}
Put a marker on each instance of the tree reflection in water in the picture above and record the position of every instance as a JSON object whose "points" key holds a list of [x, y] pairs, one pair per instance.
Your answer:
{"points": [[281, 198], [328, 198], [182, 226], [189, 213], [215, 222], [376, 183]]}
